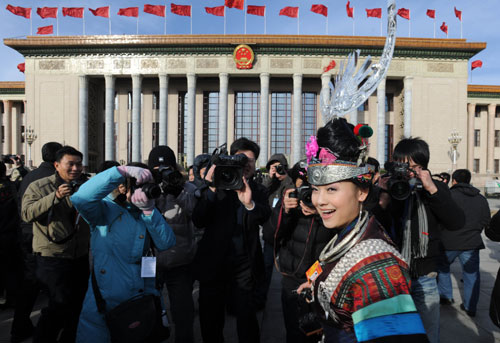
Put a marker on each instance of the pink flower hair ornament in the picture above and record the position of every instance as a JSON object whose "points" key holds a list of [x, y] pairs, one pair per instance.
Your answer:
{"points": [[311, 148]]}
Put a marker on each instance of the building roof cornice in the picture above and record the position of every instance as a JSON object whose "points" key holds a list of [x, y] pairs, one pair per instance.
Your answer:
{"points": [[483, 91], [32, 46], [12, 87]]}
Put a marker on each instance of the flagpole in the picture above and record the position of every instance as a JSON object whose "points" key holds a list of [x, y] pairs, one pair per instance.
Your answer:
{"points": [[265, 22], [165, 19], [327, 24], [31, 26], [57, 21], [353, 22], [461, 32], [434, 27], [409, 28], [83, 17], [298, 22], [380, 27], [109, 21], [245, 16], [137, 29], [191, 22], [224, 20]]}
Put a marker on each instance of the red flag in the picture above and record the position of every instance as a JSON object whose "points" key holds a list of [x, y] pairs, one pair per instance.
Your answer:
{"points": [[431, 14], [404, 13], [76, 12], [184, 10], [47, 12], [330, 66], [45, 30], [218, 11], [444, 27], [458, 14], [158, 10], [129, 12], [100, 12], [374, 12], [20, 11], [320, 9], [21, 67], [476, 64], [238, 4], [256, 10], [292, 12], [350, 10]]}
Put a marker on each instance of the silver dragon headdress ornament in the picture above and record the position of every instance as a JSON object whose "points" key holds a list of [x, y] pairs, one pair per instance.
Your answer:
{"points": [[351, 88]]}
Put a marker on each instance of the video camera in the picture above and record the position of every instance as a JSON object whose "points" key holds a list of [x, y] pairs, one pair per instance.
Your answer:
{"points": [[228, 173], [400, 184], [168, 178], [7, 159], [303, 193]]}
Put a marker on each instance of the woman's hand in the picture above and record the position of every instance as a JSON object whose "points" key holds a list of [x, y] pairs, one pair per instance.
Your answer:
{"points": [[288, 202], [304, 286]]}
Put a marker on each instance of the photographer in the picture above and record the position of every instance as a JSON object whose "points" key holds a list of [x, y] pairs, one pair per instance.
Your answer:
{"points": [[175, 265], [419, 213], [18, 171], [229, 259], [60, 243]]}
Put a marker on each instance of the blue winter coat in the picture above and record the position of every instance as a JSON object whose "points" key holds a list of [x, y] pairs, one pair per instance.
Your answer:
{"points": [[117, 243]]}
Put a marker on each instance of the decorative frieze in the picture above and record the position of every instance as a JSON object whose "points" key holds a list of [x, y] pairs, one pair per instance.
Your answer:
{"points": [[311, 64], [121, 64], [440, 67], [282, 63], [176, 63], [99, 64], [51, 65], [207, 63], [149, 64]]}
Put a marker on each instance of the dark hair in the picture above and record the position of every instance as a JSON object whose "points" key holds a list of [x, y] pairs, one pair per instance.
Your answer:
{"points": [[106, 165], [242, 144], [462, 176], [373, 162], [298, 171], [3, 170], [49, 151], [412, 148], [446, 177], [67, 150]]}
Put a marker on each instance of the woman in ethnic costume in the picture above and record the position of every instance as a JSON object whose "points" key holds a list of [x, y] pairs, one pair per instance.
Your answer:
{"points": [[362, 291]]}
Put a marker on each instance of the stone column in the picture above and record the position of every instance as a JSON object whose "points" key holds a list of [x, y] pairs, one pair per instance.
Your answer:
{"points": [[163, 117], [15, 129], [7, 122], [264, 119], [471, 110], [325, 88], [109, 123], [408, 85], [83, 119], [381, 123], [490, 153], [297, 119], [223, 89], [191, 104], [136, 118]]}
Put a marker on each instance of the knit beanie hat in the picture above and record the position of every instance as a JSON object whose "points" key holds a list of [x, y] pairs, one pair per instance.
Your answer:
{"points": [[164, 152]]}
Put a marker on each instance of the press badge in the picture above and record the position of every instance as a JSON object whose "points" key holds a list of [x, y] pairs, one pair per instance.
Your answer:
{"points": [[148, 266], [313, 272], [275, 201]]}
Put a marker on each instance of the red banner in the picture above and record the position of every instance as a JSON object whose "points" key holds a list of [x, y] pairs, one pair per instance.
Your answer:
{"points": [[129, 12], [350, 10], [158, 10], [330, 66], [100, 12], [218, 11], [320, 9], [21, 67], [256, 10], [374, 12], [45, 30], [292, 12], [476, 64], [431, 14], [20, 11], [238, 4], [76, 12], [458, 14], [47, 12], [184, 10], [404, 13], [444, 27]]}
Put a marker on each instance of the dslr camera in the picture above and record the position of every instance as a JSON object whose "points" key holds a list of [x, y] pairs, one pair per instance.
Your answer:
{"points": [[7, 159], [303, 193], [152, 190], [168, 178], [228, 173], [75, 184], [280, 169], [400, 185]]}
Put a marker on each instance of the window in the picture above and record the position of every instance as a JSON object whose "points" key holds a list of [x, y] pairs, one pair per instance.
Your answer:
{"points": [[496, 166], [129, 142], [129, 103], [247, 115], [497, 138], [281, 123], [309, 114], [210, 122], [156, 134], [22, 107], [156, 100], [389, 142], [389, 102], [480, 109], [2, 108], [182, 125], [476, 165], [22, 133], [477, 137], [3, 134], [116, 100], [497, 111], [363, 107]]}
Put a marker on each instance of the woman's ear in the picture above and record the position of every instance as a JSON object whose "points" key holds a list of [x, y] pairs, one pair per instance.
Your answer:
{"points": [[362, 194]]}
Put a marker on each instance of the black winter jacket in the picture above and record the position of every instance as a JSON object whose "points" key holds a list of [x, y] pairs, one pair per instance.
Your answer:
{"points": [[477, 217]]}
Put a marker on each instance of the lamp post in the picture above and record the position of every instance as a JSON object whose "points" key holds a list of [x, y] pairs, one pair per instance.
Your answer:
{"points": [[454, 140], [30, 137]]}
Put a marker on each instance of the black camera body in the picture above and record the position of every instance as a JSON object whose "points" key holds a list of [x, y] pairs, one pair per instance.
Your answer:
{"points": [[152, 190], [280, 169], [400, 185], [303, 193], [75, 185], [7, 159], [169, 179], [228, 173]]}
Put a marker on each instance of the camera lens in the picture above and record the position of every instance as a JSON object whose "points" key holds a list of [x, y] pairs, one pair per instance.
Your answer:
{"points": [[400, 190], [151, 190]]}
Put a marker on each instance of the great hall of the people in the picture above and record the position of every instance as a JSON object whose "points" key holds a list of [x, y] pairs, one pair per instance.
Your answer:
{"points": [[116, 97]]}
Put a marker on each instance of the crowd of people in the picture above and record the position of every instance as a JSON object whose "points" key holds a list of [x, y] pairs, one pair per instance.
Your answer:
{"points": [[364, 256]]}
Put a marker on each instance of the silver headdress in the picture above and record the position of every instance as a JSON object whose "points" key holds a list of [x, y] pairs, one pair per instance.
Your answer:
{"points": [[352, 88]]}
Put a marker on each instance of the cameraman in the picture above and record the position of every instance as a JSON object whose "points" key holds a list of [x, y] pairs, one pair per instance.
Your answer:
{"points": [[417, 222], [229, 259], [60, 243], [175, 265]]}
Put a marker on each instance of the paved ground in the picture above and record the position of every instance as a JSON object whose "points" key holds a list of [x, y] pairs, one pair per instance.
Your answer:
{"points": [[456, 326]]}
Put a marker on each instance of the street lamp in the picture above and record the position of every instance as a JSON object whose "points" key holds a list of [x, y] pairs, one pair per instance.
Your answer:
{"points": [[454, 140], [30, 136]]}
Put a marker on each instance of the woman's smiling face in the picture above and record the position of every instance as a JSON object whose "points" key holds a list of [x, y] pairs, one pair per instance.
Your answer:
{"points": [[338, 203]]}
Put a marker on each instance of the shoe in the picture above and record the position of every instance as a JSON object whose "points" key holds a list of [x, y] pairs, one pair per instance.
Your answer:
{"points": [[446, 301], [469, 313]]}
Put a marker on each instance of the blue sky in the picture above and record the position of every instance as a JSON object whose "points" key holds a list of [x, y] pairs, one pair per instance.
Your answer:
{"points": [[479, 23]]}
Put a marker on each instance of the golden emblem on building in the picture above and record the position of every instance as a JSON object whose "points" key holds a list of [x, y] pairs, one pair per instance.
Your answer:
{"points": [[243, 56]]}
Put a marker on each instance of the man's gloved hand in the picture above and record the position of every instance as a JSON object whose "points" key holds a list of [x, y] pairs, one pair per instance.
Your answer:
{"points": [[141, 175], [142, 202]]}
